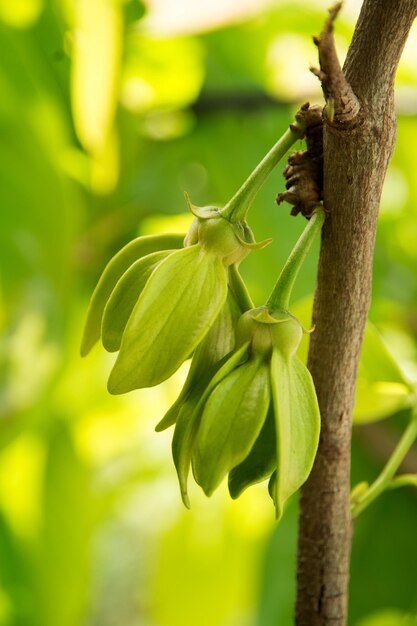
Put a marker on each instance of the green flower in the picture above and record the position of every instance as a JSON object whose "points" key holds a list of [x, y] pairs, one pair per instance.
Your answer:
{"points": [[258, 415], [261, 400], [178, 304], [156, 301]]}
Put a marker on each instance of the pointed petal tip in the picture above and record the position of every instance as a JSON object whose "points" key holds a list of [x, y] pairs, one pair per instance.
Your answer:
{"points": [[205, 483], [208, 490], [186, 500], [86, 345], [234, 491]]}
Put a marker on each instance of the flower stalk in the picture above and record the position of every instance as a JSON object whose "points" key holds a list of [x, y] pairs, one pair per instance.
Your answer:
{"points": [[280, 296], [237, 208]]}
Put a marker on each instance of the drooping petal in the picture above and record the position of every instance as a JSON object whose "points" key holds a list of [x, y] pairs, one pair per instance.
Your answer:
{"points": [[260, 462], [124, 297], [179, 303], [189, 416], [113, 271], [297, 425], [208, 357], [232, 419]]}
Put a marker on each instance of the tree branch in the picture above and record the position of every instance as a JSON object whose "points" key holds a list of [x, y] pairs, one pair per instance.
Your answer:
{"points": [[355, 161]]}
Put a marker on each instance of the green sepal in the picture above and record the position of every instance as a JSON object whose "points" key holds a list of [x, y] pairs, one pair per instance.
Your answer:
{"points": [[260, 462], [113, 271], [188, 421], [297, 425], [231, 422], [207, 359], [253, 245], [203, 213], [179, 303], [124, 297], [239, 289], [262, 315]]}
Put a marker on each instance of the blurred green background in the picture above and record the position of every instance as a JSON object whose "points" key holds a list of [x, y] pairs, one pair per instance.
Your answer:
{"points": [[109, 110]]}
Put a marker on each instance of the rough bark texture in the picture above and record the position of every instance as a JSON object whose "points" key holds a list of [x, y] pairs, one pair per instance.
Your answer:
{"points": [[356, 155]]}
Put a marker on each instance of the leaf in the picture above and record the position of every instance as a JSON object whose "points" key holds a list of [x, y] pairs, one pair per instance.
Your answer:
{"points": [[175, 310], [260, 462], [189, 417], [134, 250], [297, 425], [381, 388], [232, 419], [388, 617], [124, 297], [208, 357]]}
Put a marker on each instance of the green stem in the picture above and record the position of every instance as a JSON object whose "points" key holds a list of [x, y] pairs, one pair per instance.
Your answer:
{"points": [[403, 480], [280, 296], [236, 209], [395, 460]]}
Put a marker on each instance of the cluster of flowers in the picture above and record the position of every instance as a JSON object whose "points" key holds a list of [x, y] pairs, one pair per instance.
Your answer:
{"points": [[248, 407]]}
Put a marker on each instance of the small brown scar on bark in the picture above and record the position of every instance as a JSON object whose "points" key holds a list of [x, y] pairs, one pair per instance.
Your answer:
{"points": [[304, 170], [345, 107]]}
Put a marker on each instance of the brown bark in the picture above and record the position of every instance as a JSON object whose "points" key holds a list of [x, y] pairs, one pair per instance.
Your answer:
{"points": [[357, 149]]}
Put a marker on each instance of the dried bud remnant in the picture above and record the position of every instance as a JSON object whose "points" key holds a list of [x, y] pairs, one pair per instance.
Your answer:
{"points": [[304, 171]]}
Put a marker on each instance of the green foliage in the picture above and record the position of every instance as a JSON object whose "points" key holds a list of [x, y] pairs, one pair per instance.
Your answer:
{"points": [[382, 389]]}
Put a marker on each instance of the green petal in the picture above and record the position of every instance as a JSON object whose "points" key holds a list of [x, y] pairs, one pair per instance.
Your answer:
{"points": [[189, 417], [116, 267], [297, 425], [181, 300], [208, 357], [232, 419], [260, 462], [124, 297]]}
